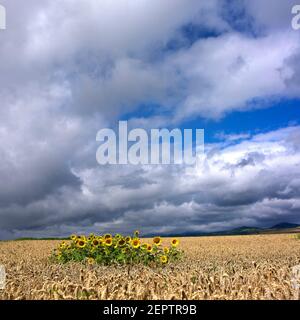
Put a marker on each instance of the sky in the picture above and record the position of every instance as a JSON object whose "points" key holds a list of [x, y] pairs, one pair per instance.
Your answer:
{"points": [[70, 68]]}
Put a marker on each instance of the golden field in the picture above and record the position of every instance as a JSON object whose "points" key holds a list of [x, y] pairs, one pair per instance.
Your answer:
{"points": [[231, 267]]}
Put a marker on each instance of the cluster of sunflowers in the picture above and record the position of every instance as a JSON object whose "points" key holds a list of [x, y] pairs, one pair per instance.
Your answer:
{"points": [[118, 249]]}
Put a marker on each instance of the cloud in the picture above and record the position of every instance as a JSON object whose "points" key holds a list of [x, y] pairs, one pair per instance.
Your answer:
{"points": [[68, 70], [254, 182], [230, 72]]}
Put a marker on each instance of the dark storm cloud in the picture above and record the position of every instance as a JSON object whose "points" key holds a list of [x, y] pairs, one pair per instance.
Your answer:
{"points": [[68, 70]]}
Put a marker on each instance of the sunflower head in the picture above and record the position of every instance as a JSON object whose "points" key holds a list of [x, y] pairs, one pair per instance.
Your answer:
{"points": [[81, 243], [73, 237], [100, 239], [128, 239], [82, 237], [96, 242], [166, 250], [108, 242], [157, 241], [91, 261], [136, 233], [135, 243], [107, 236], [175, 242], [63, 245], [149, 248], [121, 243], [164, 259]]}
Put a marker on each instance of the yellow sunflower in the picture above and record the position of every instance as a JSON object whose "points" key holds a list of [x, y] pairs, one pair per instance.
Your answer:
{"points": [[175, 242], [135, 243], [73, 237], [166, 250], [96, 242], [157, 241], [136, 233], [100, 239], [81, 243], [82, 237], [108, 242], [121, 243], [107, 236], [91, 261], [128, 239], [63, 245], [149, 248], [163, 259]]}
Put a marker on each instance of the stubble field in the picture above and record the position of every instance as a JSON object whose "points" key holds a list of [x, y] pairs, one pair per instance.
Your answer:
{"points": [[233, 267]]}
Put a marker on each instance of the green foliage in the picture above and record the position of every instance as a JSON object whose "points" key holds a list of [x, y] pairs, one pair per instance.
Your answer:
{"points": [[118, 249]]}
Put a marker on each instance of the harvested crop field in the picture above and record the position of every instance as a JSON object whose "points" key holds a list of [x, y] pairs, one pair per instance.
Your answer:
{"points": [[233, 267]]}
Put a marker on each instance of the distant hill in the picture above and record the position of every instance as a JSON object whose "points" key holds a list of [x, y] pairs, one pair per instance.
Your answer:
{"points": [[285, 225], [244, 230]]}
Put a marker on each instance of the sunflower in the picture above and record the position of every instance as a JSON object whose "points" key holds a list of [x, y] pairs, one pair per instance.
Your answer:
{"points": [[157, 241], [163, 259], [144, 246], [175, 242], [96, 242], [136, 233], [128, 239], [81, 243], [73, 237], [121, 242], [149, 248], [166, 250], [82, 237], [107, 236], [90, 261], [108, 242], [100, 239], [135, 243], [63, 245]]}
